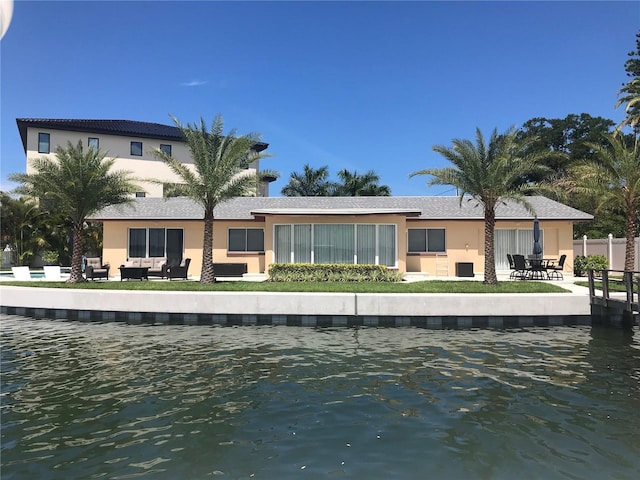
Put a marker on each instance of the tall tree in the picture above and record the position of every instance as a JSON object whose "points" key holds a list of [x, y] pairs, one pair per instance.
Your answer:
{"points": [[567, 136], [312, 182], [22, 227], [630, 92], [354, 184], [219, 174], [76, 184], [612, 179], [567, 140], [488, 173]]}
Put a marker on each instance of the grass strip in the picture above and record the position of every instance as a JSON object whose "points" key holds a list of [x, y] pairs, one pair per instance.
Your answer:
{"points": [[429, 286]]}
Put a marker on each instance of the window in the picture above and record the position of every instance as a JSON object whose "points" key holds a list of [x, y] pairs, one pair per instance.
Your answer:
{"points": [[246, 240], [136, 149], [423, 240], [336, 243], [140, 194], [94, 143], [165, 148], [513, 240], [44, 143], [157, 242]]}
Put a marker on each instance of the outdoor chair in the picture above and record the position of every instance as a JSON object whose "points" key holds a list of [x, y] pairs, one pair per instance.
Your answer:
{"points": [[95, 269], [179, 271], [21, 273], [537, 269], [52, 273], [520, 266], [511, 266], [556, 270]]}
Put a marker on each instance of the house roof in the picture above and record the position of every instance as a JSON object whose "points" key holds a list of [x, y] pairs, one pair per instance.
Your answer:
{"points": [[426, 208], [129, 128]]}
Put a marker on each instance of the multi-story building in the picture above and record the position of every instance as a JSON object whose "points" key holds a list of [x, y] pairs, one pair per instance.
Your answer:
{"points": [[130, 142]]}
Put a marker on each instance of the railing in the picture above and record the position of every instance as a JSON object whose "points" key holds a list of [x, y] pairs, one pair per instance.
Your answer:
{"points": [[619, 290]]}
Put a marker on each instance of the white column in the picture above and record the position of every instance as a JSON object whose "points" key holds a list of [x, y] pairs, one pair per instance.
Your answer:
{"points": [[610, 249], [584, 245]]}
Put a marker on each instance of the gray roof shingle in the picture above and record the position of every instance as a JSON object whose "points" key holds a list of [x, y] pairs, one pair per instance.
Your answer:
{"points": [[444, 208]]}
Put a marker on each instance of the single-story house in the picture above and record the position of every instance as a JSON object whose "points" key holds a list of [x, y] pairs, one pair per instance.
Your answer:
{"points": [[412, 234]]}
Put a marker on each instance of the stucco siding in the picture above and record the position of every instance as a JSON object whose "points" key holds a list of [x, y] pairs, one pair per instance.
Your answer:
{"points": [[145, 167]]}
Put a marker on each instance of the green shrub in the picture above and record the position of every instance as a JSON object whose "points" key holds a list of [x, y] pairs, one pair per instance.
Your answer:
{"points": [[306, 272], [579, 265], [595, 262], [50, 257]]}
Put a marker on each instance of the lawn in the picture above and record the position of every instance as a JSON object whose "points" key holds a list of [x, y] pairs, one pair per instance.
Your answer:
{"points": [[430, 286]]}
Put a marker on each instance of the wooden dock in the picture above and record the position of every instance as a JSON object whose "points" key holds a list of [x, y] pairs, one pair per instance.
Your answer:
{"points": [[616, 303]]}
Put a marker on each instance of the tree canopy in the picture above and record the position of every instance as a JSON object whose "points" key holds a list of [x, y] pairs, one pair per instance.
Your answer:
{"points": [[630, 92], [488, 173], [219, 173], [312, 182], [76, 184], [612, 178]]}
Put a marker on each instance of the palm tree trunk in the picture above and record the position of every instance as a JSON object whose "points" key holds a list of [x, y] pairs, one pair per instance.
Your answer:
{"points": [[490, 277], [629, 251], [76, 256], [206, 273]]}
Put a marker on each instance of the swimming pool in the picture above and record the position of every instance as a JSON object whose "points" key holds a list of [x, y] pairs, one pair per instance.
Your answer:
{"points": [[120, 401]]}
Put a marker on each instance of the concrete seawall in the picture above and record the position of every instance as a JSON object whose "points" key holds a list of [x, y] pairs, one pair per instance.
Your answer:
{"points": [[306, 309]]}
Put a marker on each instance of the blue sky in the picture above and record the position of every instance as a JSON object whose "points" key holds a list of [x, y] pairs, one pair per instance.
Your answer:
{"points": [[356, 85]]}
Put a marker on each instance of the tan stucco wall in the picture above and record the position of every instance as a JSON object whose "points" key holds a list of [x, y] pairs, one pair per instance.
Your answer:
{"points": [[144, 168], [116, 237], [464, 241]]}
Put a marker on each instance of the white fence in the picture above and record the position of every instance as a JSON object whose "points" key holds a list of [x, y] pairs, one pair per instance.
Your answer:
{"points": [[612, 248]]}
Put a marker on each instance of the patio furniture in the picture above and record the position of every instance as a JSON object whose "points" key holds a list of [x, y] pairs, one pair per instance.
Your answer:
{"points": [[511, 266], [538, 269], [229, 269], [520, 267], [134, 273], [95, 269], [556, 270], [21, 273], [179, 271], [52, 273], [156, 266]]}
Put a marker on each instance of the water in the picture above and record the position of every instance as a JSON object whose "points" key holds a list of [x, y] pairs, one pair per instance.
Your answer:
{"points": [[85, 401]]}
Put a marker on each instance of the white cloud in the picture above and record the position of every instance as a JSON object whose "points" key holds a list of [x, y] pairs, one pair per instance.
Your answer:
{"points": [[194, 83]]}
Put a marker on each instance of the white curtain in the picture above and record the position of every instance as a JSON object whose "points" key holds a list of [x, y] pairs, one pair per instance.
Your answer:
{"points": [[282, 243], [513, 241], [387, 245], [366, 244], [333, 243], [302, 243]]}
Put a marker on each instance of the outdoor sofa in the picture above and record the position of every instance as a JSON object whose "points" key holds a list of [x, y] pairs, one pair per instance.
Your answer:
{"points": [[157, 265]]}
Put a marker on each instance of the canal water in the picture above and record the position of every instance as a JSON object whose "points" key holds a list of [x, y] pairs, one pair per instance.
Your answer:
{"points": [[118, 401]]}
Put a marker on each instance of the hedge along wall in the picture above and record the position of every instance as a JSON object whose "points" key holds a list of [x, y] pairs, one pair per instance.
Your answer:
{"points": [[306, 272]]}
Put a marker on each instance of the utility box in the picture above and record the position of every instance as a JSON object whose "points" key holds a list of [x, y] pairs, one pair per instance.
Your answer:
{"points": [[464, 269]]}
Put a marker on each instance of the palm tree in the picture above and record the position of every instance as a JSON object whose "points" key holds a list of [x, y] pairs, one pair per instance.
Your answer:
{"points": [[219, 174], [22, 226], [356, 185], [612, 179], [631, 100], [76, 184], [490, 174], [311, 182]]}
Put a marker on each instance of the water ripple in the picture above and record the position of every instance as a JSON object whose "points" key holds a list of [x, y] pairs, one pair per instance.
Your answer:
{"points": [[121, 401]]}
